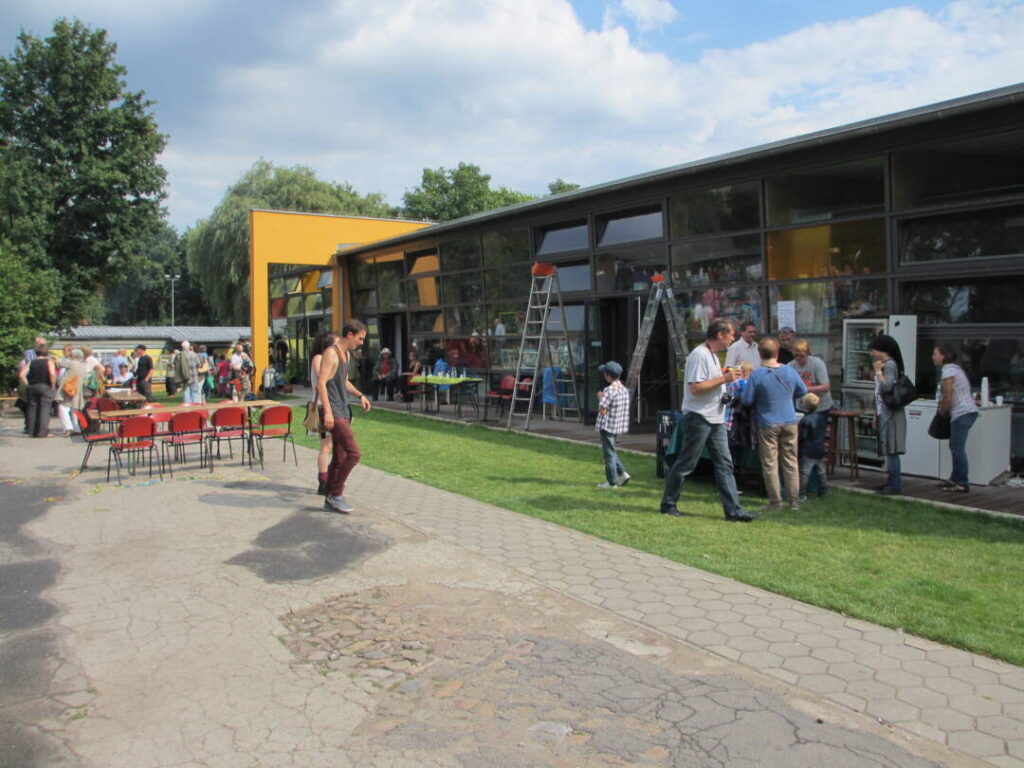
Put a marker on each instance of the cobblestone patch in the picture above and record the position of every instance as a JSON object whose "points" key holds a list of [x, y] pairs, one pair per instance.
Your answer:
{"points": [[452, 690]]}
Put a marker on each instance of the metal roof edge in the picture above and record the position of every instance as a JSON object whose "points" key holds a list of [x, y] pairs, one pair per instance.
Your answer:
{"points": [[962, 104], [341, 216]]}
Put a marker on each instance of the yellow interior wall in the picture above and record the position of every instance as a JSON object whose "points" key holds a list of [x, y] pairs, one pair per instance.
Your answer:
{"points": [[303, 239]]}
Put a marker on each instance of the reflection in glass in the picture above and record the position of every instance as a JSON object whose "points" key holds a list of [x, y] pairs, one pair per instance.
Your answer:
{"points": [[506, 246], [1000, 359], [574, 277], [364, 300], [629, 227], [428, 351], [737, 305], [972, 235], [717, 260], [463, 288], [424, 292], [821, 305], [852, 248], [466, 353], [423, 261], [967, 300], [427, 322], [705, 211], [813, 194], [461, 254], [509, 315], [510, 282], [314, 302], [988, 166], [556, 238], [466, 320], [362, 272], [295, 304], [389, 281], [630, 270]]}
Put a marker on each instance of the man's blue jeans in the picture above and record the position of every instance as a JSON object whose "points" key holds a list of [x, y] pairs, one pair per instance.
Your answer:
{"points": [[613, 468], [698, 432], [192, 393], [958, 430]]}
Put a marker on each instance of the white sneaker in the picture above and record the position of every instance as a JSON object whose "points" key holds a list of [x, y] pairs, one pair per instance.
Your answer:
{"points": [[624, 478], [338, 504], [606, 485]]}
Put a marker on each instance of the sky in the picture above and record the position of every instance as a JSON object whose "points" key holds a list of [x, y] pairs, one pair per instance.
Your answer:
{"points": [[372, 92]]}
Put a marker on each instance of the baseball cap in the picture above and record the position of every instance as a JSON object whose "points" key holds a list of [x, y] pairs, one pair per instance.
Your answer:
{"points": [[612, 368]]}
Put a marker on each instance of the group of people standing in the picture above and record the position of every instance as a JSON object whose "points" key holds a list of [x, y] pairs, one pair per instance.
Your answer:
{"points": [[788, 392]]}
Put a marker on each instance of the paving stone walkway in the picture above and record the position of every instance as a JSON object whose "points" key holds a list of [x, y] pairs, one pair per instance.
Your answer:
{"points": [[965, 701]]}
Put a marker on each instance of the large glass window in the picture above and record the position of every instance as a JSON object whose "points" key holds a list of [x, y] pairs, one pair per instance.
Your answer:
{"points": [[466, 320], [813, 194], [391, 289], [556, 238], [737, 305], [467, 353], [463, 288], [630, 269], [363, 301], [967, 300], [821, 305], [707, 211], [717, 260], [506, 246], [510, 282], [574, 277], [852, 248], [362, 272], [993, 165], [427, 322], [972, 235], [423, 262], [424, 292], [461, 254], [629, 226]]}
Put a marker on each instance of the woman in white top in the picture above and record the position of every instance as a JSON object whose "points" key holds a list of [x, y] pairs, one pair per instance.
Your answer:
{"points": [[954, 396], [321, 341]]}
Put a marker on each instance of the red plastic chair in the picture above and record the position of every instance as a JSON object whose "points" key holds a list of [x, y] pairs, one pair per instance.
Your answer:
{"points": [[184, 429], [275, 423], [501, 395], [228, 424], [106, 405], [134, 435], [88, 432]]}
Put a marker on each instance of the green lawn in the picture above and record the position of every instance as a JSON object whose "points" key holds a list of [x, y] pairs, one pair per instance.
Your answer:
{"points": [[954, 577]]}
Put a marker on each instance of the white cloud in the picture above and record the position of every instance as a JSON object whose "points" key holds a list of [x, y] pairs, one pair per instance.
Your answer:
{"points": [[371, 94], [649, 14]]}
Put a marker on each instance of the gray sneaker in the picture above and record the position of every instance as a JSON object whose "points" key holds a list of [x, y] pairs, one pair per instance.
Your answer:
{"points": [[338, 504], [624, 478]]}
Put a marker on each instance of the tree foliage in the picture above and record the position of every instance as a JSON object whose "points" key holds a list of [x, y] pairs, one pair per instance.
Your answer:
{"points": [[217, 248], [30, 305], [445, 194], [559, 185], [80, 186]]}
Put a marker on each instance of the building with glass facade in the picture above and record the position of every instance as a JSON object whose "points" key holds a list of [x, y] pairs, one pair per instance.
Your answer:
{"points": [[920, 212]]}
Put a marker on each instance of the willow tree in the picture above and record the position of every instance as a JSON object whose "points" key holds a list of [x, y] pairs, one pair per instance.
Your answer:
{"points": [[217, 248]]}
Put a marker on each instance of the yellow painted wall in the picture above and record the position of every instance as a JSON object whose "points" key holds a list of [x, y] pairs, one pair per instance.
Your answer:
{"points": [[304, 239]]}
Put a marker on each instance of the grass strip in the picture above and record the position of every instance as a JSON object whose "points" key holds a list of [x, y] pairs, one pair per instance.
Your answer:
{"points": [[955, 577]]}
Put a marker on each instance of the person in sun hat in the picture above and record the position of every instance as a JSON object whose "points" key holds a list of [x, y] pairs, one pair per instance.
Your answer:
{"points": [[612, 420]]}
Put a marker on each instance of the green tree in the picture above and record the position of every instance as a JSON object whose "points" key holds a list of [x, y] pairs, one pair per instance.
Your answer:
{"points": [[80, 186], [559, 185], [445, 194], [27, 312], [217, 248]]}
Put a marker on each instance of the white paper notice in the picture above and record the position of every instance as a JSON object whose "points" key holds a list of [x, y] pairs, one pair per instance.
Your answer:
{"points": [[786, 311]]}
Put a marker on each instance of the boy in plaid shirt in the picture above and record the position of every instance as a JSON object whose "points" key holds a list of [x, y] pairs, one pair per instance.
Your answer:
{"points": [[612, 420]]}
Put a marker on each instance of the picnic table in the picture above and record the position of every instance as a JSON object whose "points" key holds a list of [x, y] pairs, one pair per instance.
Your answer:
{"points": [[126, 413]]}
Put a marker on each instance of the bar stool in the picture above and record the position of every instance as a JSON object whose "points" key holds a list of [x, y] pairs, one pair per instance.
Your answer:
{"points": [[835, 451]]}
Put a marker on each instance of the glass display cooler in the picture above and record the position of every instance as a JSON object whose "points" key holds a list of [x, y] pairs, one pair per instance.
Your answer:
{"points": [[858, 373]]}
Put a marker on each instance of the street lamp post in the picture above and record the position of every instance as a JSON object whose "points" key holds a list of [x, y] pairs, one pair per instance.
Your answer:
{"points": [[172, 278]]}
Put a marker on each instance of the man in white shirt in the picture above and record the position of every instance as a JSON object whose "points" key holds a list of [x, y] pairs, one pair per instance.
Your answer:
{"points": [[704, 424], [744, 349]]}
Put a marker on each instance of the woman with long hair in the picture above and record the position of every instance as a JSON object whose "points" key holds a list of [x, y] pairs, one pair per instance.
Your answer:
{"points": [[955, 398], [890, 423], [321, 341]]}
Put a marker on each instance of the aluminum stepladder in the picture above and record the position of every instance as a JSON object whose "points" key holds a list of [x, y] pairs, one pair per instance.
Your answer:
{"points": [[540, 340], [660, 296]]}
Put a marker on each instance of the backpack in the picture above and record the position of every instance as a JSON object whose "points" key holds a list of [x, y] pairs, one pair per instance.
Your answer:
{"points": [[247, 367], [70, 386]]}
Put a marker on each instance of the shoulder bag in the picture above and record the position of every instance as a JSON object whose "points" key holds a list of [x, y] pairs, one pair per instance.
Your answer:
{"points": [[313, 421], [941, 426], [902, 394]]}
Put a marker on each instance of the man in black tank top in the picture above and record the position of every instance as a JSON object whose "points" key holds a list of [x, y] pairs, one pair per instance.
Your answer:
{"points": [[336, 392]]}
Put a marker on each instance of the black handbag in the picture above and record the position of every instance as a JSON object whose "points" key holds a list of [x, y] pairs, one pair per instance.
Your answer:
{"points": [[902, 394], [941, 427]]}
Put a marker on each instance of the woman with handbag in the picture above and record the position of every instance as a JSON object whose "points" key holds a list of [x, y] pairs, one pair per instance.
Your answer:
{"points": [[890, 422], [321, 341], [957, 408]]}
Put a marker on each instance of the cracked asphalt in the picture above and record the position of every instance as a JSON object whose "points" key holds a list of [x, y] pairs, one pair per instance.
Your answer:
{"points": [[227, 620]]}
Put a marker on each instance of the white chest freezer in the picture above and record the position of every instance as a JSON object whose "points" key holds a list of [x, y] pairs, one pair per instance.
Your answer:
{"points": [[988, 444]]}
